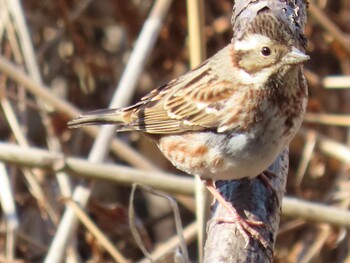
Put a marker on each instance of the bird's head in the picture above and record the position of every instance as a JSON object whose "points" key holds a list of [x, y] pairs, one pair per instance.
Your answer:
{"points": [[266, 47]]}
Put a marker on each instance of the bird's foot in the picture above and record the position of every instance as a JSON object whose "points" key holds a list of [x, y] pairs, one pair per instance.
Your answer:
{"points": [[244, 226]]}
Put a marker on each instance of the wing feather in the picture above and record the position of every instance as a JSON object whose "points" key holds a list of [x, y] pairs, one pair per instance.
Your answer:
{"points": [[195, 101]]}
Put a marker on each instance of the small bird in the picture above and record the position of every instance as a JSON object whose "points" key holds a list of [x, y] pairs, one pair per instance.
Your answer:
{"points": [[229, 117]]}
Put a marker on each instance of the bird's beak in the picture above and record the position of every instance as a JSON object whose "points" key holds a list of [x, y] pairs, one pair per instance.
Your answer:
{"points": [[295, 56]]}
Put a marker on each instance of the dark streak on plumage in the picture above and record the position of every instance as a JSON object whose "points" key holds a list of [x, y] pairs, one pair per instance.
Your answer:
{"points": [[196, 79], [273, 28]]}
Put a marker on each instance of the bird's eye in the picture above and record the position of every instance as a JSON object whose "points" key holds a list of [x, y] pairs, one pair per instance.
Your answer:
{"points": [[265, 51]]}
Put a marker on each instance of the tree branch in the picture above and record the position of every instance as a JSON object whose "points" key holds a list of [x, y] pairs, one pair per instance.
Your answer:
{"points": [[252, 198]]}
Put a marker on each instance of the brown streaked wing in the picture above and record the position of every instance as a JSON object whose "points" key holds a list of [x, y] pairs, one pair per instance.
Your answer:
{"points": [[199, 102], [150, 116], [195, 101]]}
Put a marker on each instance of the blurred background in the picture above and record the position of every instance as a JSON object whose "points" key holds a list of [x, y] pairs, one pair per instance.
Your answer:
{"points": [[81, 49]]}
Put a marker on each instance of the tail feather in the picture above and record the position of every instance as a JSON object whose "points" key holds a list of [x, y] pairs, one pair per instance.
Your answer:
{"points": [[97, 117]]}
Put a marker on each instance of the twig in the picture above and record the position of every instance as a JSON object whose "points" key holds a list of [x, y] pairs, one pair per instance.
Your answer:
{"points": [[328, 119], [334, 149], [44, 93], [96, 232], [177, 219], [319, 240], [44, 159], [30, 176], [24, 41], [336, 82], [306, 156], [331, 147], [338, 196], [31, 242], [128, 81], [33, 157], [327, 24], [315, 212], [8, 206], [189, 234], [27, 53], [121, 97], [195, 14]]}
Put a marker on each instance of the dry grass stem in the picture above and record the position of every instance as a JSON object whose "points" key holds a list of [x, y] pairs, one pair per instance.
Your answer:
{"points": [[69, 110], [315, 212], [177, 219], [96, 232], [195, 14], [306, 156], [328, 119], [329, 25], [190, 233], [8, 206], [124, 175], [30, 175], [336, 82]]}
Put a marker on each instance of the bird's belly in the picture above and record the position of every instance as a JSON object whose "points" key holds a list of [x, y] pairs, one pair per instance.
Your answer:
{"points": [[224, 156], [249, 154], [220, 156], [244, 159], [250, 160]]}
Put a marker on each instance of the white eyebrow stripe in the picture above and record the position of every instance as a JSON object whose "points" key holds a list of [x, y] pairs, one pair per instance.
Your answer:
{"points": [[252, 42]]}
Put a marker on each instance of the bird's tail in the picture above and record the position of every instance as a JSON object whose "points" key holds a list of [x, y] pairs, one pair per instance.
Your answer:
{"points": [[97, 117]]}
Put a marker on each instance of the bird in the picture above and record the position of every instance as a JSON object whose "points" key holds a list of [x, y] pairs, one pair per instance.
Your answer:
{"points": [[229, 117]]}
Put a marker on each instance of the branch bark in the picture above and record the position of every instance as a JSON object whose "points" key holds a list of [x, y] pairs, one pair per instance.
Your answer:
{"points": [[252, 198]]}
